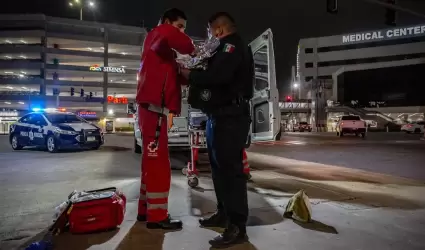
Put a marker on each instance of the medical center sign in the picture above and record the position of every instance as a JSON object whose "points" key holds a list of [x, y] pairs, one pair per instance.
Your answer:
{"points": [[396, 33], [97, 68]]}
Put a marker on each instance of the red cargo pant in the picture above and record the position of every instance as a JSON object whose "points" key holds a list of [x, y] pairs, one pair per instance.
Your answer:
{"points": [[246, 168], [155, 168]]}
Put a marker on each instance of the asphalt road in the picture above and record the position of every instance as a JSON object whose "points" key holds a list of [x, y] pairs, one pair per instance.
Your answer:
{"points": [[397, 154], [33, 182]]}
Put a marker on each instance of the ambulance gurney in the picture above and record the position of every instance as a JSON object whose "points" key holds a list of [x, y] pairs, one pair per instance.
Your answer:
{"points": [[197, 140], [91, 211]]}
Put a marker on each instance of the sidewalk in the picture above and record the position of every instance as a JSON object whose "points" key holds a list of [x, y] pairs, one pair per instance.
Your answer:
{"points": [[352, 210]]}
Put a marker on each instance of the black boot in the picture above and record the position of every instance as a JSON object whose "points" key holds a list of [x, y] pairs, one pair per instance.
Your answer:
{"points": [[218, 219], [233, 235], [167, 224], [141, 218]]}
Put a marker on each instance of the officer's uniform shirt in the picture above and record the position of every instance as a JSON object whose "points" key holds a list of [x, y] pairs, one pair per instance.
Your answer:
{"points": [[227, 79]]}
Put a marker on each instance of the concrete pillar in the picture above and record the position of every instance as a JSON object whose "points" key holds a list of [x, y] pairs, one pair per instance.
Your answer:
{"points": [[43, 66], [319, 107], [105, 74]]}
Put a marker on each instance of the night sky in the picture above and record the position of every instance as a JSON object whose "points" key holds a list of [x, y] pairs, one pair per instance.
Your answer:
{"points": [[289, 20]]}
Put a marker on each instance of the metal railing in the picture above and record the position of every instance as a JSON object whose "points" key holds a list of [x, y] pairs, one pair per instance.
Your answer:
{"points": [[295, 105]]}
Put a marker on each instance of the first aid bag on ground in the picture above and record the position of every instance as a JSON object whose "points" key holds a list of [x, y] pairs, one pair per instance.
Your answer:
{"points": [[299, 207], [96, 210]]}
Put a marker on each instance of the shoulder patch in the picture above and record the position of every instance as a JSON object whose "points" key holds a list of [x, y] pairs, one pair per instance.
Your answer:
{"points": [[229, 48]]}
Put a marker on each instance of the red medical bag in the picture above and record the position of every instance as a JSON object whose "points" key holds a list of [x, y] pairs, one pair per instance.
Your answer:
{"points": [[96, 210]]}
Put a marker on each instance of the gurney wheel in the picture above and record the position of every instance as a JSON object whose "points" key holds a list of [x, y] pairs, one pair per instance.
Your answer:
{"points": [[248, 176], [184, 171], [193, 182]]}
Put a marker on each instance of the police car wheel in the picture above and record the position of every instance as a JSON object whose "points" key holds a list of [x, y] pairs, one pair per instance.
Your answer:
{"points": [[15, 143], [51, 144]]}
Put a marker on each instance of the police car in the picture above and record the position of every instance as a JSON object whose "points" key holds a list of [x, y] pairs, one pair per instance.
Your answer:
{"points": [[55, 131]]}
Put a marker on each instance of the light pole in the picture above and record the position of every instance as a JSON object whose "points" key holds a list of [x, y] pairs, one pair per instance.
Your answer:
{"points": [[80, 4]]}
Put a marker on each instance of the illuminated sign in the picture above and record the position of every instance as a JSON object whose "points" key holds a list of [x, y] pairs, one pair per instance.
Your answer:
{"points": [[9, 113], [117, 100], [97, 68], [385, 34], [87, 114]]}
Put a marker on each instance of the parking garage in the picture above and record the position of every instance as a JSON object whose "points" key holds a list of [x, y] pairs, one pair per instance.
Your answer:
{"points": [[48, 62]]}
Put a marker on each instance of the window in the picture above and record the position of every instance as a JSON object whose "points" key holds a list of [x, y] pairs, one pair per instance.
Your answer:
{"points": [[308, 78], [37, 119], [64, 118], [260, 83], [308, 50], [25, 119], [261, 69], [350, 118], [309, 65], [371, 60]]}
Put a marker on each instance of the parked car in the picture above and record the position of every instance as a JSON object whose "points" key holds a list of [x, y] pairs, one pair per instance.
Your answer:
{"points": [[414, 127], [351, 124], [301, 127], [55, 131]]}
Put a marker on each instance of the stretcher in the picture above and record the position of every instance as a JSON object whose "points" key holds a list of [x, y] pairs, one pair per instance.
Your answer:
{"points": [[197, 141]]}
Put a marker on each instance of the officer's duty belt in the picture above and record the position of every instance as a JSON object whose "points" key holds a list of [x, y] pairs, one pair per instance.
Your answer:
{"points": [[242, 109], [155, 108]]}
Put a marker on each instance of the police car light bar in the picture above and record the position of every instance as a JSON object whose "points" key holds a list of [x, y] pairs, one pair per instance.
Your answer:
{"points": [[49, 110]]}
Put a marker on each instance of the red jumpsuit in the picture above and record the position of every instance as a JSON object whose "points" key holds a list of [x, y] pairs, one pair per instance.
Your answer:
{"points": [[159, 83], [246, 168]]}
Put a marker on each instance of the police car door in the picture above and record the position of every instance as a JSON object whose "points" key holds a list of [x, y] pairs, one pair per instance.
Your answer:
{"points": [[265, 102], [35, 133], [21, 129]]}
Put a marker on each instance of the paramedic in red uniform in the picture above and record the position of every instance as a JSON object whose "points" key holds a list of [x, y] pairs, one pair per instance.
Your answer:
{"points": [[158, 94]]}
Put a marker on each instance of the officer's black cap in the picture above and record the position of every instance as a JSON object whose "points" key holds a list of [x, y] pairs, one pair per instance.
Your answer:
{"points": [[221, 14]]}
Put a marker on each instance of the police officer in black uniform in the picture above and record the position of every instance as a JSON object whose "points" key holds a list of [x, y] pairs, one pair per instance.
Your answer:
{"points": [[223, 91]]}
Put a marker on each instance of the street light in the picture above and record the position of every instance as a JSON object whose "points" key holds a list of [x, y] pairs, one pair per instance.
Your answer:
{"points": [[295, 87], [80, 4]]}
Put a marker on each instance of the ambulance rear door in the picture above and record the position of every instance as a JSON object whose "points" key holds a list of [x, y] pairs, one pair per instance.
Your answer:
{"points": [[265, 102]]}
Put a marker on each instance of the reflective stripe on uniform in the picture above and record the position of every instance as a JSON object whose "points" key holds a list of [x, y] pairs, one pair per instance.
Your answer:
{"points": [[157, 206], [142, 197], [156, 109], [152, 195]]}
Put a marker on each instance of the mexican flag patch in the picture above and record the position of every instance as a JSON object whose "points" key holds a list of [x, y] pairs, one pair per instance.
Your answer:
{"points": [[229, 48]]}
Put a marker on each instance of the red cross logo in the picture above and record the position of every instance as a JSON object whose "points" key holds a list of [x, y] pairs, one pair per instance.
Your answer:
{"points": [[152, 147]]}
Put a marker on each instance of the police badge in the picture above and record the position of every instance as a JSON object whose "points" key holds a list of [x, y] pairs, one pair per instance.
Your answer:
{"points": [[205, 95], [198, 97]]}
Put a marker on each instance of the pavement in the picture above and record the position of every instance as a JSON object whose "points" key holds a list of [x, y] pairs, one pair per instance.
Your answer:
{"points": [[377, 206]]}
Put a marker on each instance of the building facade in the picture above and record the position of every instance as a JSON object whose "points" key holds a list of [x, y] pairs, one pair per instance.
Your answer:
{"points": [[49, 62], [322, 62]]}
